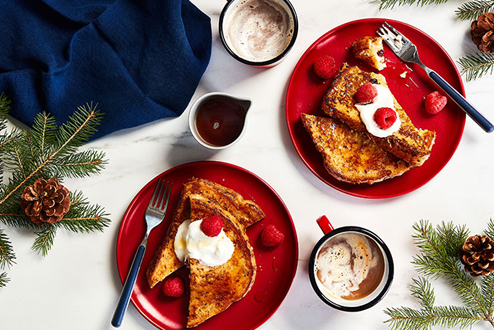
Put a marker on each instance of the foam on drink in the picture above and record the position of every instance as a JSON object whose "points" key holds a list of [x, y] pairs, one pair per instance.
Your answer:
{"points": [[258, 30], [349, 266]]}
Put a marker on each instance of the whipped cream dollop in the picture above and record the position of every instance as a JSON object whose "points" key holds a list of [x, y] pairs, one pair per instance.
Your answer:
{"points": [[384, 99], [192, 243]]}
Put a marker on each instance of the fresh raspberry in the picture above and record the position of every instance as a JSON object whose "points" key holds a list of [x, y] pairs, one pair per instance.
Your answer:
{"points": [[435, 102], [211, 226], [271, 236], [324, 67], [385, 117], [173, 287], [366, 93]]}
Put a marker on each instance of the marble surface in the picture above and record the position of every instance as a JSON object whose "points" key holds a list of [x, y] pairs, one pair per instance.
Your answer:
{"points": [[77, 285]]}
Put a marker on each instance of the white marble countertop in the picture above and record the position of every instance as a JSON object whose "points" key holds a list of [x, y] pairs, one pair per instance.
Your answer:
{"points": [[77, 286]]}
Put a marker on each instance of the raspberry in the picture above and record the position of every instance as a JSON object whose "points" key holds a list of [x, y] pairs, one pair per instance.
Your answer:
{"points": [[173, 287], [366, 93], [385, 117], [271, 236], [324, 67], [211, 226], [435, 102]]}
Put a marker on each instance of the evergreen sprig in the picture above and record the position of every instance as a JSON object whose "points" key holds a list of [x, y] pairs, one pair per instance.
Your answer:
{"points": [[477, 65], [471, 10], [392, 3], [439, 249], [48, 151]]}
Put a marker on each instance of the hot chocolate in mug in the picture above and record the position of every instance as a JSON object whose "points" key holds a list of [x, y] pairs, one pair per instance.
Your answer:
{"points": [[350, 268], [258, 32]]}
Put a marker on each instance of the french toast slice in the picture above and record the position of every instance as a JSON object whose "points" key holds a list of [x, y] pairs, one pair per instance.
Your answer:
{"points": [[165, 260], [214, 289], [351, 156], [409, 143], [245, 211], [370, 50]]}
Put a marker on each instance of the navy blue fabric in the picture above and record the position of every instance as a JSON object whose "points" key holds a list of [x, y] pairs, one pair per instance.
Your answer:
{"points": [[140, 60]]}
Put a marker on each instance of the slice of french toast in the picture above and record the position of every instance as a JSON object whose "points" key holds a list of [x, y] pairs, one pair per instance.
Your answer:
{"points": [[370, 50], [214, 289], [351, 156], [245, 211], [409, 143]]}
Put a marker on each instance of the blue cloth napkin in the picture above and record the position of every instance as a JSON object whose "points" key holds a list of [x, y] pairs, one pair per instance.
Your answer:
{"points": [[140, 60]]}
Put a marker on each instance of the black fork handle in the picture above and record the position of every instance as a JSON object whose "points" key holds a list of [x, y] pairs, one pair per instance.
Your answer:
{"points": [[462, 102]]}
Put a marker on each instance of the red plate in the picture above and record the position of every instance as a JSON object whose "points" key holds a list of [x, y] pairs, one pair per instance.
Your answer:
{"points": [[276, 267], [306, 91]]}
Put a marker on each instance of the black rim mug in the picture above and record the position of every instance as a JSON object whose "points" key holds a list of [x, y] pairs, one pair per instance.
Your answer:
{"points": [[367, 301]]}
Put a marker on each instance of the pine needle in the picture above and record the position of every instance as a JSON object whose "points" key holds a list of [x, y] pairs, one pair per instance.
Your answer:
{"points": [[471, 10], [392, 3], [7, 256], [477, 65], [44, 239], [3, 279]]}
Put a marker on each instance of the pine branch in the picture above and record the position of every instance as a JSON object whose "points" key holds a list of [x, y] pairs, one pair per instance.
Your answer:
{"points": [[7, 256], [392, 3], [490, 229], [4, 105], [48, 151], [439, 250], [422, 290], [80, 164], [477, 65], [486, 298], [23, 156], [405, 318], [3, 279], [83, 217], [44, 239], [471, 10]]}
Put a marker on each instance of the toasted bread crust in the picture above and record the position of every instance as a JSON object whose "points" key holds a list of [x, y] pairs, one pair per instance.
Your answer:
{"points": [[165, 260], [370, 50], [248, 211], [408, 143], [351, 156], [245, 211], [214, 289]]}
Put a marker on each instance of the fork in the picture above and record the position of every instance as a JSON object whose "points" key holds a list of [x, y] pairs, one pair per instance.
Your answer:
{"points": [[407, 52], [155, 213]]}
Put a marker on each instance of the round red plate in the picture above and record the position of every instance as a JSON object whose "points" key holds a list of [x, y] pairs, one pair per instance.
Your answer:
{"points": [[276, 266], [306, 91]]}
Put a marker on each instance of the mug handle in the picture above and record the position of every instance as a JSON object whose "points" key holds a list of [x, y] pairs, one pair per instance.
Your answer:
{"points": [[324, 224]]}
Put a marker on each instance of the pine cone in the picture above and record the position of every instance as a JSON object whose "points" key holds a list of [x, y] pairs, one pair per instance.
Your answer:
{"points": [[483, 32], [45, 201], [477, 254]]}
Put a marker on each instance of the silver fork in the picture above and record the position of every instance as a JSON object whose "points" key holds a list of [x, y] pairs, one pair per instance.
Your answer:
{"points": [[407, 52], [155, 213]]}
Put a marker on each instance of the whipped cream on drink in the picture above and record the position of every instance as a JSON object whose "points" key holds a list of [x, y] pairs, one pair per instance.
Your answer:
{"points": [[258, 30], [384, 99], [192, 243], [349, 266]]}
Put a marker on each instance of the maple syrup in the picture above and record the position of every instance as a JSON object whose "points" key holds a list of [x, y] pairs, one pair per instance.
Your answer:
{"points": [[220, 120]]}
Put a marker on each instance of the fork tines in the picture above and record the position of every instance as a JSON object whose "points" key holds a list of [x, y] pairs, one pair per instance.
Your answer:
{"points": [[158, 200], [392, 37]]}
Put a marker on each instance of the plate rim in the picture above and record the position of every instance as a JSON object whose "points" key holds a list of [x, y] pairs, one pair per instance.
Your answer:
{"points": [[290, 87], [122, 275]]}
